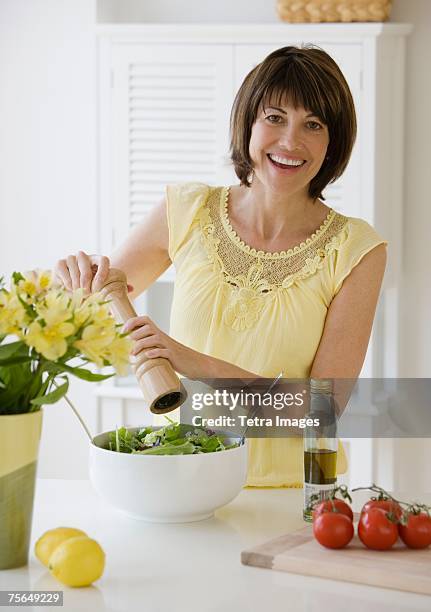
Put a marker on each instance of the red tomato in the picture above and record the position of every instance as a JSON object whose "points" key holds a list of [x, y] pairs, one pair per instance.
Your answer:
{"points": [[385, 504], [329, 505], [376, 531], [417, 532], [333, 529]]}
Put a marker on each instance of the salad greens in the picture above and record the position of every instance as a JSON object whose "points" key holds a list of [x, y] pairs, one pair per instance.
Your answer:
{"points": [[173, 439]]}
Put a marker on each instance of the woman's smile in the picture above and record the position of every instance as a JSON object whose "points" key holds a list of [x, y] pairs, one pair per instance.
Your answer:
{"points": [[288, 144], [285, 163]]}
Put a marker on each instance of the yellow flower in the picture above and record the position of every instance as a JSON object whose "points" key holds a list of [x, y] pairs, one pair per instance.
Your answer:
{"points": [[76, 298], [48, 319], [95, 341], [118, 354], [13, 316], [81, 306], [27, 286], [102, 314], [49, 341], [100, 340], [55, 308], [91, 310], [35, 283], [45, 280]]}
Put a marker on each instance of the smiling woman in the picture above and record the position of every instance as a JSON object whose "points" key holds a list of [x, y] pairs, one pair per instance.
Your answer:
{"points": [[269, 278]]}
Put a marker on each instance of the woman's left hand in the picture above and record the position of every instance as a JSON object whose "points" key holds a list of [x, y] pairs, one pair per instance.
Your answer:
{"points": [[154, 343]]}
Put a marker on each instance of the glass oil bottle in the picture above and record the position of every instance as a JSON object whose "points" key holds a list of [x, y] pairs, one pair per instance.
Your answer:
{"points": [[320, 445]]}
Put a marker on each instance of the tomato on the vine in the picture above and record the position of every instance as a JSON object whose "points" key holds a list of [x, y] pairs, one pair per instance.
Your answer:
{"points": [[376, 530], [333, 529], [333, 505], [417, 532], [389, 505]]}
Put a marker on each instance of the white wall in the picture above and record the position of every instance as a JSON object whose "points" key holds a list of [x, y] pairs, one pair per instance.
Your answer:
{"points": [[416, 303], [411, 457], [187, 11], [48, 168], [47, 122]]}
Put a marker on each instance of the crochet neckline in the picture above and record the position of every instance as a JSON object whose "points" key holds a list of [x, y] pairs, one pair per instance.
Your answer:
{"points": [[224, 215]]}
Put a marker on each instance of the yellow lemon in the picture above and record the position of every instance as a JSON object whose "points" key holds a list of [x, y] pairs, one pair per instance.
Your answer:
{"points": [[77, 562], [49, 541]]}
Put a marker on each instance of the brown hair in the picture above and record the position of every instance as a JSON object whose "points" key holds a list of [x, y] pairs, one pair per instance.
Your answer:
{"points": [[310, 78]]}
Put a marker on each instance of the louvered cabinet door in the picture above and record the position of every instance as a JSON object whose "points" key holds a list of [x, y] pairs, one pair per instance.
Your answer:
{"points": [[170, 116], [345, 194]]}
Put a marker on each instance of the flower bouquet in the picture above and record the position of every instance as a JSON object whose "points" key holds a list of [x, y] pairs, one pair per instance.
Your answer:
{"points": [[46, 334]]}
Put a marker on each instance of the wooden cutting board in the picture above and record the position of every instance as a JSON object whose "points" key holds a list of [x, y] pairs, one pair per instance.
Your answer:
{"points": [[298, 552]]}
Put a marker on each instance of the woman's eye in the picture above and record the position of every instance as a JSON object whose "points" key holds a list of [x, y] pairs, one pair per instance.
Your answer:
{"points": [[314, 125], [273, 118]]}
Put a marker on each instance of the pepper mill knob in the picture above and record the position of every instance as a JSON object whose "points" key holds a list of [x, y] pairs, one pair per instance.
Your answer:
{"points": [[160, 385]]}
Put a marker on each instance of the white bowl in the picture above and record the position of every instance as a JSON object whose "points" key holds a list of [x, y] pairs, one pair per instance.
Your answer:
{"points": [[167, 488]]}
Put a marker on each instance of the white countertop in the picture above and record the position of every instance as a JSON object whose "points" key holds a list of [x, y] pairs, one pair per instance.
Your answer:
{"points": [[193, 567]]}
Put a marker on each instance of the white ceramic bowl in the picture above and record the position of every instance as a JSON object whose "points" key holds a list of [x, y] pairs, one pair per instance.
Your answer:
{"points": [[167, 488]]}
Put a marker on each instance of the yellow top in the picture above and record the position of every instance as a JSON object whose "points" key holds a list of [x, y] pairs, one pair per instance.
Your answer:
{"points": [[263, 312]]}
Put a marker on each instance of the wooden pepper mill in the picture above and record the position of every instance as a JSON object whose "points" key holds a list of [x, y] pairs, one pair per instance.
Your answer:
{"points": [[159, 384]]}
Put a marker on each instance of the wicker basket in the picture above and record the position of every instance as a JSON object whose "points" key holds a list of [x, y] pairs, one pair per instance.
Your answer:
{"points": [[317, 11]]}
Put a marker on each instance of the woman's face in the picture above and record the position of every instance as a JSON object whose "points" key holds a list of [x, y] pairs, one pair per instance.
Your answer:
{"points": [[287, 147]]}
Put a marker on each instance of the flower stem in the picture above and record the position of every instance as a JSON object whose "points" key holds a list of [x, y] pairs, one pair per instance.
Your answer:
{"points": [[35, 384], [78, 416]]}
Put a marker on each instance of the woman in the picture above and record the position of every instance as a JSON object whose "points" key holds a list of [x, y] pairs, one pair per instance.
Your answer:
{"points": [[268, 277]]}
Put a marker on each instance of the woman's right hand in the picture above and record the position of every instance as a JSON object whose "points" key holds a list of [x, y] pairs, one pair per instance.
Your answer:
{"points": [[86, 271]]}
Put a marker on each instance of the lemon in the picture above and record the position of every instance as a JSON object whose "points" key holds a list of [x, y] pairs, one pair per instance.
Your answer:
{"points": [[49, 541], [77, 562]]}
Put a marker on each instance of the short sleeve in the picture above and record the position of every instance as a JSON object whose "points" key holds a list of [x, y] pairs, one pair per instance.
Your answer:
{"points": [[183, 204], [358, 240]]}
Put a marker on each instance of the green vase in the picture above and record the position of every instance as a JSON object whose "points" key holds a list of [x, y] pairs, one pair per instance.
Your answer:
{"points": [[19, 446]]}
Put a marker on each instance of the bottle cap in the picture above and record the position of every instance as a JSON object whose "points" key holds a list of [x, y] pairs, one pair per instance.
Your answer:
{"points": [[321, 385]]}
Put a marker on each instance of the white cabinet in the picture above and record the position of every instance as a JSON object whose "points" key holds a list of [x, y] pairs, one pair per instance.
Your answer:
{"points": [[169, 110]]}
